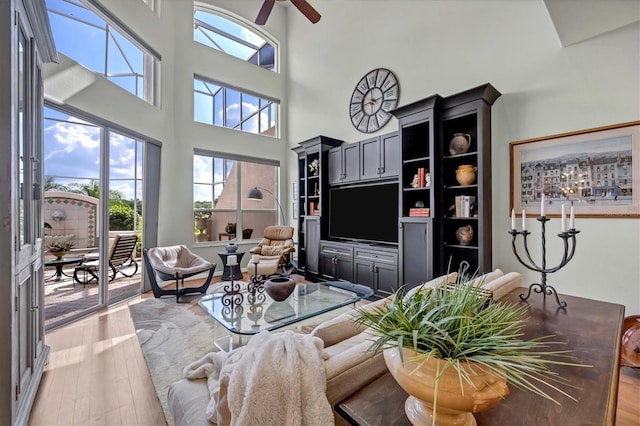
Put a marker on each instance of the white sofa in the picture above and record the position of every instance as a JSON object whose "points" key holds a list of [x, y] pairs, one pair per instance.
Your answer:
{"points": [[349, 366]]}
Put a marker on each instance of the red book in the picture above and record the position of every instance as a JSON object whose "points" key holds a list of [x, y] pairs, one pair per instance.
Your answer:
{"points": [[422, 177]]}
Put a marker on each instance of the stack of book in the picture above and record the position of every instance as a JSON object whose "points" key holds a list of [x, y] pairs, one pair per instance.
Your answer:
{"points": [[419, 212], [422, 177], [463, 205]]}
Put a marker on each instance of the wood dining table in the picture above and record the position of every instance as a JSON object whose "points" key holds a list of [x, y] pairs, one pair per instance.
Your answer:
{"points": [[590, 329]]}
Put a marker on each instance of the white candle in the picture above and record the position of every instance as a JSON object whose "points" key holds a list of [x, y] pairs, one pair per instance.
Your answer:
{"points": [[572, 219], [524, 220], [563, 219], [255, 258], [542, 205], [513, 219], [232, 260]]}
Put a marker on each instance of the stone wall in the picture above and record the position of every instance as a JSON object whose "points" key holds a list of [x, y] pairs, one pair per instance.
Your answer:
{"points": [[70, 213]]}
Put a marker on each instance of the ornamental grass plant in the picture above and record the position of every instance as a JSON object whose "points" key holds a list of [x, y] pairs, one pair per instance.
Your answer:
{"points": [[461, 327]]}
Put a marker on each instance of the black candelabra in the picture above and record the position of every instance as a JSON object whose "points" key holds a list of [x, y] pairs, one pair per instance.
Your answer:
{"points": [[569, 250]]}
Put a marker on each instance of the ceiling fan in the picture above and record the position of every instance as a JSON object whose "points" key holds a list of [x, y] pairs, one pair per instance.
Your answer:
{"points": [[302, 5]]}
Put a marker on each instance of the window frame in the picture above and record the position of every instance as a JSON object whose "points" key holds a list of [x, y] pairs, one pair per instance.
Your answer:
{"points": [[248, 26], [151, 60], [265, 104], [239, 210]]}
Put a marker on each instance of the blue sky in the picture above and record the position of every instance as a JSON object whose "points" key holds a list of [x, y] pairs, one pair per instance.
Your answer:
{"points": [[72, 146]]}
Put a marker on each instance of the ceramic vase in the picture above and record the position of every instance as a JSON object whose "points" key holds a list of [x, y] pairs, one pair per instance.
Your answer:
{"points": [[464, 235], [231, 247], [279, 288], [460, 143], [466, 174], [456, 398]]}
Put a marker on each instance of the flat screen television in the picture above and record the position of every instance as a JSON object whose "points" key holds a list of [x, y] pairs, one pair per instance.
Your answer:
{"points": [[366, 213]]}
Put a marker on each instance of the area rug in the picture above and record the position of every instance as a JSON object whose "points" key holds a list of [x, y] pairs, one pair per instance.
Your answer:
{"points": [[172, 335]]}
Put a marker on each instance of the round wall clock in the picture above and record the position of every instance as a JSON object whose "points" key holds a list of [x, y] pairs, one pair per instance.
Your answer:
{"points": [[375, 95]]}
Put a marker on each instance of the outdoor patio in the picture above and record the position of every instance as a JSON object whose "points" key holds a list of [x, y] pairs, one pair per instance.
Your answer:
{"points": [[66, 298]]}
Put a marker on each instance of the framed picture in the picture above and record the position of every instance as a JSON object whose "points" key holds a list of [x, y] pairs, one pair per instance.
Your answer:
{"points": [[595, 170]]}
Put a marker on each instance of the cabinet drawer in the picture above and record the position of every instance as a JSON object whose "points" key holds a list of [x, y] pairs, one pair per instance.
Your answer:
{"points": [[376, 256], [331, 249]]}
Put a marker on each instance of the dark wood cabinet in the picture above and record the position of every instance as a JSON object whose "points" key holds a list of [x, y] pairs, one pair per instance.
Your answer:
{"points": [[465, 115], [312, 199], [380, 157], [336, 261], [416, 255], [430, 189], [376, 268], [312, 245], [344, 164], [417, 199]]}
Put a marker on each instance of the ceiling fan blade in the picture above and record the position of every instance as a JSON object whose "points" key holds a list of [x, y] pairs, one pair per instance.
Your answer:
{"points": [[307, 10], [265, 10]]}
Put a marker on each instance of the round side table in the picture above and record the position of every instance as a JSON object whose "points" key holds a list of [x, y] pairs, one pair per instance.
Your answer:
{"points": [[231, 271]]}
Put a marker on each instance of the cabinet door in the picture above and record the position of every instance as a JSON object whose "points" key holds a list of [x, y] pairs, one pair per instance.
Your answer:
{"points": [[344, 269], [350, 162], [327, 266], [370, 158], [390, 155], [416, 253], [312, 249], [363, 273], [387, 279], [335, 168]]}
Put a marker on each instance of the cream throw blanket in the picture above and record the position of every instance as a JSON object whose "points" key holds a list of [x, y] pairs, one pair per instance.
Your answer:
{"points": [[276, 379]]}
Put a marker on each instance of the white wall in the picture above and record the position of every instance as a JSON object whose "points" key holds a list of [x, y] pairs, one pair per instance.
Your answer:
{"points": [[446, 47], [171, 35]]}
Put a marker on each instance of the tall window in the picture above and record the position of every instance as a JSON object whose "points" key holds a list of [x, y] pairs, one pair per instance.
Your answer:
{"points": [[227, 107], [72, 164], [221, 208], [91, 37], [225, 35]]}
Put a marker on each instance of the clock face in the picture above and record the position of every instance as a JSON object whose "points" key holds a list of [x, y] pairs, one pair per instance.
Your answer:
{"points": [[375, 95]]}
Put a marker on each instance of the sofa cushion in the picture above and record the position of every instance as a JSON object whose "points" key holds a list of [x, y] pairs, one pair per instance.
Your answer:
{"points": [[187, 400], [504, 284], [343, 326]]}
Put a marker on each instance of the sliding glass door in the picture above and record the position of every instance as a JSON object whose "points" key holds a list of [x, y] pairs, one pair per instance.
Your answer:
{"points": [[93, 195]]}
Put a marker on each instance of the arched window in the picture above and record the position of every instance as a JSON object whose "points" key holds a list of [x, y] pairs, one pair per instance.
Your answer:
{"points": [[229, 36]]}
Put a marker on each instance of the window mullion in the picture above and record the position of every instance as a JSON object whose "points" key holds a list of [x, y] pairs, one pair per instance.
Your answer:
{"points": [[239, 225]]}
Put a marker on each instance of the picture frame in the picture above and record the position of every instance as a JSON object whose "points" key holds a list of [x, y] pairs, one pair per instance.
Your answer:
{"points": [[597, 171]]}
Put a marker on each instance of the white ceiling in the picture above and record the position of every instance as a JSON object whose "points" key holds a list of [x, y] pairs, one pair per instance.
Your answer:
{"points": [[578, 20]]}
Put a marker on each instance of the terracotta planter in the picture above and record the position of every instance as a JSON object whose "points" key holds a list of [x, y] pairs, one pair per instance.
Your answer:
{"points": [[466, 174], [456, 399]]}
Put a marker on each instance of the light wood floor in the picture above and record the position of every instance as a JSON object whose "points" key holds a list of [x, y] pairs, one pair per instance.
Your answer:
{"points": [[97, 375]]}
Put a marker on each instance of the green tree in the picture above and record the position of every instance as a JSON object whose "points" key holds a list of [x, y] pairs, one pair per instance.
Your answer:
{"points": [[121, 217]]}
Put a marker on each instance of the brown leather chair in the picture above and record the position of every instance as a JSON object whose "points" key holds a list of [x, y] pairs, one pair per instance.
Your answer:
{"points": [[277, 241]]}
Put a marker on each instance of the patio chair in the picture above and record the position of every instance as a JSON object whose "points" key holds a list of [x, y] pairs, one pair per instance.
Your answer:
{"points": [[176, 263], [120, 260]]}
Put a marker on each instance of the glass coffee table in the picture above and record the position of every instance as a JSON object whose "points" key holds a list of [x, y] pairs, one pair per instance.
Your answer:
{"points": [[257, 312]]}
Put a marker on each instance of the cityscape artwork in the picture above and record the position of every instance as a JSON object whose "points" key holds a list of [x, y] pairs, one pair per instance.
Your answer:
{"points": [[592, 170]]}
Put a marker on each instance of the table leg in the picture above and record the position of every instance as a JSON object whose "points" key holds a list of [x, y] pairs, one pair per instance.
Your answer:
{"points": [[58, 274]]}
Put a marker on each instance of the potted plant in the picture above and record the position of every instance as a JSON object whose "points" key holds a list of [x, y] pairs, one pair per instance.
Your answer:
{"points": [[58, 245], [453, 350]]}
